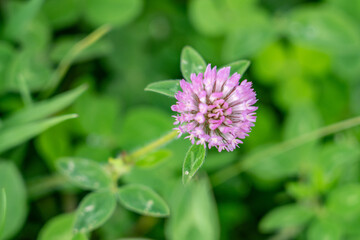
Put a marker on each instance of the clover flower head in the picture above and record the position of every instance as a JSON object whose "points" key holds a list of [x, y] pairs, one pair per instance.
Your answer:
{"points": [[214, 109]]}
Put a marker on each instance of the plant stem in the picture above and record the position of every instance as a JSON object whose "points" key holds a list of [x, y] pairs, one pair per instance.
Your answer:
{"points": [[66, 62], [152, 146], [238, 167]]}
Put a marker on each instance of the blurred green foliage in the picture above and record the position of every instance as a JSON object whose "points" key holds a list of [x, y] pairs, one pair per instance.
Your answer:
{"points": [[305, 69]]}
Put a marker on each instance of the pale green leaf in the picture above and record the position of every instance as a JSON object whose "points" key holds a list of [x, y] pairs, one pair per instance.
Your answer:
{"points": [[45, 108], [239, 67], [94, 210], [194, 214], [58, 228], [13, 136], [191, 62], [84, 173], [167, 87], [292, 215], [16, 204], [143, 200], [193, 160]]}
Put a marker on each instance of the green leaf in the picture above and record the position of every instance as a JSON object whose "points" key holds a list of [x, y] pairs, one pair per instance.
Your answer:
{"points": [[239, 67], [324, 230], [45, 108], [114, 12], [143, 200], [191, 62], [344, 202], [13, 136], [16, 204], [62, 14], [32, 68], [324, 28], [2, 210], [193, 160], [167, 87], [194, 214], [57, 228], [153, 158], [206, 18], [292, 215], [84, 173], [249, 39], [101, 117], [94, 210], [54, 143], [19, 21]]}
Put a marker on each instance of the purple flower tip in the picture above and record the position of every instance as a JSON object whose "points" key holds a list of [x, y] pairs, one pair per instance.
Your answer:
{"points": [[214, 109]]}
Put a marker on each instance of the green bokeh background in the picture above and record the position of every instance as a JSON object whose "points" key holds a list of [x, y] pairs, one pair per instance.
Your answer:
{"points": [[305, 69]]}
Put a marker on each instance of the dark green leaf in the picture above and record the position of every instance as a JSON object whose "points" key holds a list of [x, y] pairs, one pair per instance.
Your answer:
{"points": [[168, 87], [193, 160], [191, 62], [84, 173], [143, 200], [16, 204], [94, 210], [10, 137]]}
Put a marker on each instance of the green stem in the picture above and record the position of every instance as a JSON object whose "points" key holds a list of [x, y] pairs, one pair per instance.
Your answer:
{"points": [[45, 185], [233, 170], [152, 146], [66, 62]]}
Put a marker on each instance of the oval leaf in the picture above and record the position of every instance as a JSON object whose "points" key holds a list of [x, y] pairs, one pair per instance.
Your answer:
{"points": [[191, 62], [84, 173], [94, 210], [143, 200], [167, 87], [193, 160], [16, 210], [239, 67], [10, 137], [59, 227]]}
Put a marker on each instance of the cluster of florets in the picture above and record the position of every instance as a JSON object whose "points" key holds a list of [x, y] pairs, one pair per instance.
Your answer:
{"points": [[214, 109]]}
